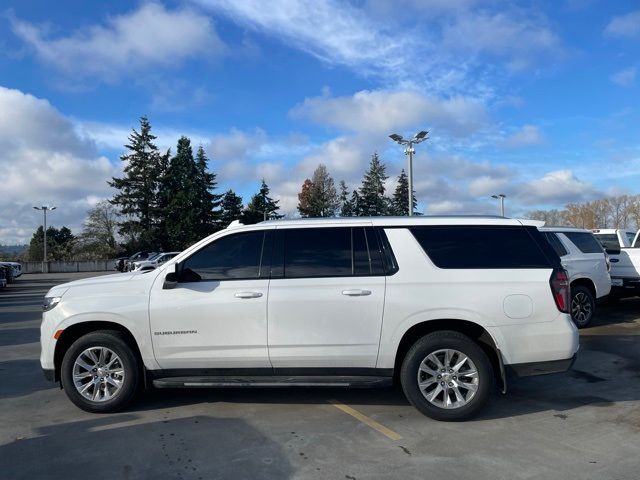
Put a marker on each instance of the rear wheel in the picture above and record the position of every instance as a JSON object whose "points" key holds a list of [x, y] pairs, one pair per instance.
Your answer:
{"points": [[583, 306], [100, 372], [447, 376]]}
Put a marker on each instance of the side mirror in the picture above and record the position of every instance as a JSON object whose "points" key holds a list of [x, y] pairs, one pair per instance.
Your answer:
{"points": [[613, 251], [171, 278]]}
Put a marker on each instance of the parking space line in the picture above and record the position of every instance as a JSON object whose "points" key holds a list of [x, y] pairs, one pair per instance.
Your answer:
{"points": [[366, 420]]}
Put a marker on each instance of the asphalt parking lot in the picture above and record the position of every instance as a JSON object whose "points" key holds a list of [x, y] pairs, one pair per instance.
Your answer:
{"points": [[583, 424]]}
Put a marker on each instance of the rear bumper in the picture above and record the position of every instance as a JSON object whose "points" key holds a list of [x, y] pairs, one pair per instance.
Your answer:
{"points": [[540, 368], [630, 287]]}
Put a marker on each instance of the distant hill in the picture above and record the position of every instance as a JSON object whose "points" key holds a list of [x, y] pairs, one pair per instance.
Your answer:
{"points": [[12, 250]]}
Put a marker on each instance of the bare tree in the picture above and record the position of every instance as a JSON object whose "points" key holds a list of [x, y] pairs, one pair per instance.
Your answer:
{"points": [[98, 238]]}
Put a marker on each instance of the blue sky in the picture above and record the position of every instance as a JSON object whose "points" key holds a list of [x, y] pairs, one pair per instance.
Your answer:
{"points": [[537, 100]]}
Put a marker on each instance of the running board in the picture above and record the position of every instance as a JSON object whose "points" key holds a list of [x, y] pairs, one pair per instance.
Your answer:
{"points": [[272, 381]]}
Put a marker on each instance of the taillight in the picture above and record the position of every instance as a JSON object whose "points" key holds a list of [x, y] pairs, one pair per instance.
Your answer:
{"points": [[560, 289]]}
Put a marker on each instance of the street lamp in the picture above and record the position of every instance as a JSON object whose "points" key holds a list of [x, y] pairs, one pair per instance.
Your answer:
{"points": [[409, 151], [500, 196], [44, 209]]}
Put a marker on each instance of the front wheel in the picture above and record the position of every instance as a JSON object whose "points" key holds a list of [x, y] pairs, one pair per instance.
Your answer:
{"points": [[447, 376], [583, 306], [100, 372]]}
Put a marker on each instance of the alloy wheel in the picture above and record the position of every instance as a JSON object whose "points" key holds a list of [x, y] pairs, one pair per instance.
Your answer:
{"points": [[448, 378]]}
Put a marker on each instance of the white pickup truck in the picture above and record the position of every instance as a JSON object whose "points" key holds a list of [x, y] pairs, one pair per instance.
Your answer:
{"points": [[624, 252]]}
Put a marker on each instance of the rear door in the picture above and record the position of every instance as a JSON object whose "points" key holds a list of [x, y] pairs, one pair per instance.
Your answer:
{"points": [[326, 298]]}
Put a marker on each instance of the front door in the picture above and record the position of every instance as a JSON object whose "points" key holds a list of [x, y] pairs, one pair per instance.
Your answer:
{"points": [[325, 310], [216, 316]]}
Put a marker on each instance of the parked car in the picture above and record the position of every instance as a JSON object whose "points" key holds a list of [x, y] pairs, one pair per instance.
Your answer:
{"points": [[120, 264], [446, 305], [139, 256], [16, 268], [10, 271], [3, 277], [153, 262], [624, 255], [585, 261]]}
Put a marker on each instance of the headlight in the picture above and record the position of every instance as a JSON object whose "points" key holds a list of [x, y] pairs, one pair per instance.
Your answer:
{"points": [[50, 302]]}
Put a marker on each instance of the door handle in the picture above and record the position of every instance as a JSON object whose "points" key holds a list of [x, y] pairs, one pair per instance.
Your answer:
{"points": [[356, 292], [248, 294]]}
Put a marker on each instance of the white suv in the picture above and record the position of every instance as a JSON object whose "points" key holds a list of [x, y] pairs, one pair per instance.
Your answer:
{"points": [[445, 305], [587, 265]]}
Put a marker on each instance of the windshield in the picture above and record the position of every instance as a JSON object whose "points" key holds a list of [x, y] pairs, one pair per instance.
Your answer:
{"points": [[631, 236], [154, 256]]}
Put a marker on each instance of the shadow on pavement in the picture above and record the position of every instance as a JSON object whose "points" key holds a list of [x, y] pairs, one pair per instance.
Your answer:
{"points": [[198, 447], [19, 336]]}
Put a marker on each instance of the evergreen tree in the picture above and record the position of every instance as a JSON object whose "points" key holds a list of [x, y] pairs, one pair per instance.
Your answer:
{"points": [[346, 206], [304, 199], [231, 208], [182, 197], [208, 203], [261, 207], [137, 196], [372, 199], [400, 197], [355, 204], [60, 244]]}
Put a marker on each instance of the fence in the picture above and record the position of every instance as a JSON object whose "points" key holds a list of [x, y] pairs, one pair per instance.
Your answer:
{"points": [[68, 267]]}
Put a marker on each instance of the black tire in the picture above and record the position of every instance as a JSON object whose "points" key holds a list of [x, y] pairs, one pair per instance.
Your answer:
{"points": [[114, 341], [583, 306], [439, 341]]}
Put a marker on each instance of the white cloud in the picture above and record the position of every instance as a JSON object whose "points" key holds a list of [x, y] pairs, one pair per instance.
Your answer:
{"points": [[150, 36], [381, 112], [518, 36], [556, 188], [527, 135], [625, 77], [627, 26], [44, 161]]}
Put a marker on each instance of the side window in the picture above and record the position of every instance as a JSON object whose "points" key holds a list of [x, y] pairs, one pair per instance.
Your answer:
{"points": [[317, 252], [585, 242], [482, 247], [555, 243], [233, 257], [630, 238], [608, 241]]}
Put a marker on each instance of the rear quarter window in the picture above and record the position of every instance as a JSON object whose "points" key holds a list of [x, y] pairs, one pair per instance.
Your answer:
{"points": [[490, 247], [608, 241], [585, 242]]}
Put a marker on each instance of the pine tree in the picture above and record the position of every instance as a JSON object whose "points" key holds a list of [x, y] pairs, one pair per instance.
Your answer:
{"points": [[182, 198], [356, 208], [304, 199], [137, 196], [231, 208], [372, 199], [261, 207], [324, 199], [346, 206], [207, 202], [400, 197]]}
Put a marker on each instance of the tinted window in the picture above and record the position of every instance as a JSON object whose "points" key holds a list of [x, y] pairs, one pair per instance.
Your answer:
{"points": [[232, 257], [609, 241], [585, 242], [482, 247], [555, 242], [630, 237], [317, 252]]}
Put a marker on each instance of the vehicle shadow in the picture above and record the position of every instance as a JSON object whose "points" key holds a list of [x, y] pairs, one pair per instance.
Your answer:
{"points": [[126, 447], [22, 377], [611, 362], [624, 311]]}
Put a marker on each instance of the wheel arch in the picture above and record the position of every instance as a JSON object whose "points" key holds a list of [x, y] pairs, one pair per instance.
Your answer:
{"points": [[587, 283], [473, 330], [77, 330]]}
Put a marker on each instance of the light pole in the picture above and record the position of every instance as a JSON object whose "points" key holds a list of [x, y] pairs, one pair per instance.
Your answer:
{"points": [[44, 209], [409, 151], [500, 196]]}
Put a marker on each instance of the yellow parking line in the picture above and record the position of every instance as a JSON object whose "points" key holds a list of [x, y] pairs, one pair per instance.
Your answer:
{"points": [[366, 420]]}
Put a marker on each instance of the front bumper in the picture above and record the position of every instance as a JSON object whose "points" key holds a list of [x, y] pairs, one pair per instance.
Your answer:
{"points": [[49, 374], [540, 368]]}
